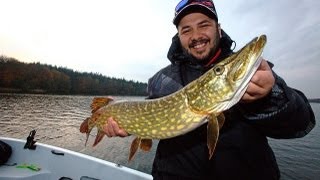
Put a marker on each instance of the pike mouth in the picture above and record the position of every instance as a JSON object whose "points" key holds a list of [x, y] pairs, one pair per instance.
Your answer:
{"points": [[243, 86]]}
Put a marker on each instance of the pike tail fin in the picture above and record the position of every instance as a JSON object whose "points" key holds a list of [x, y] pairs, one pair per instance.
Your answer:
{"points": [[84, 128], [99, 137]]}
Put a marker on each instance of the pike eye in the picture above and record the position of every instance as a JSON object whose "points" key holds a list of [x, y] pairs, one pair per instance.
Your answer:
{"points": [[218, 70]]}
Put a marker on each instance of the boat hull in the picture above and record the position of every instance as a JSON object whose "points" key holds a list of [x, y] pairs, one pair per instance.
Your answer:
{"points": [[58, 163]]}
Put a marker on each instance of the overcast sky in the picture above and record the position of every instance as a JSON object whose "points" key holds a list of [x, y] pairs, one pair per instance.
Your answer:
{"points": [[130, 39]]}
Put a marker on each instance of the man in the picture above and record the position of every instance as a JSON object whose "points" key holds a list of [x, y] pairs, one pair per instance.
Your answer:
{"points": [[269, 108]]}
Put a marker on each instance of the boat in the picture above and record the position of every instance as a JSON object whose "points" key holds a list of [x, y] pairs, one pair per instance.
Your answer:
{"points": [[32, 160]]}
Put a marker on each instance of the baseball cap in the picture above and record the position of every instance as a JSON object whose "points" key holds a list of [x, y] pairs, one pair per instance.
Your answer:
{"points": [[185, 7]]}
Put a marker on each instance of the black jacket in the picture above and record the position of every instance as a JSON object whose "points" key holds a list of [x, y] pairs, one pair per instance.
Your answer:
{"points": [[242, 150]]}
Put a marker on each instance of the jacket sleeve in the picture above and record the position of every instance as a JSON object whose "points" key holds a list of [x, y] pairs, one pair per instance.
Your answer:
{"points": [[284, 113]]}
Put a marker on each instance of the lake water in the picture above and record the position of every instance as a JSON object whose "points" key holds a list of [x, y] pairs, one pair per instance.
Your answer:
{"points": [[57, 120]]}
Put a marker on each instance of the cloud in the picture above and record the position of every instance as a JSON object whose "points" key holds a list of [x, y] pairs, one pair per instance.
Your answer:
{"points": [[293, 30], [131, 40]]}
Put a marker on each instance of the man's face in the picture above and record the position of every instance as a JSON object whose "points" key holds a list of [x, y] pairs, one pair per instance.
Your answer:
{"points": [[199, 35]]}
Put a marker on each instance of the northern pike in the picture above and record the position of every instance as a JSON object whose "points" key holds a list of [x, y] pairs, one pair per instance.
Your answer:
{"points": [[203, 100]]}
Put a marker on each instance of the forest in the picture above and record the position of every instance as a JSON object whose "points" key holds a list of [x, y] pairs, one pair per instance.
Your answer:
{"points": [[20, 77]]}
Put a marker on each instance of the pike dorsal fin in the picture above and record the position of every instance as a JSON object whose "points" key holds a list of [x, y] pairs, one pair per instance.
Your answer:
{"points": [[98, 102]]}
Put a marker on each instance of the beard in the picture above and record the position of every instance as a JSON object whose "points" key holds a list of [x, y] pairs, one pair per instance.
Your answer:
{"points": [[210, 55]]}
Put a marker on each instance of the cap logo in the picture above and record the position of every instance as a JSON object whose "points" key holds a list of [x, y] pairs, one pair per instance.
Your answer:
{"points": [[184, 3]]}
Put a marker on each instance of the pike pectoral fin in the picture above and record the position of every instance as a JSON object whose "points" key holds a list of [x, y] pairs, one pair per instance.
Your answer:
{"points": [[212, 133], [146, 144], [98, 102], [134, 147], [221, 120]]}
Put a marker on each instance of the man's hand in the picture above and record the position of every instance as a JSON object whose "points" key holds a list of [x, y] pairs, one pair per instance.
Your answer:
{"points": [[260, 84], [112, 129]]}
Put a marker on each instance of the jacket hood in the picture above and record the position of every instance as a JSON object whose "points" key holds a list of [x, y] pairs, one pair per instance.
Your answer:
{"points": [[177, 55]]}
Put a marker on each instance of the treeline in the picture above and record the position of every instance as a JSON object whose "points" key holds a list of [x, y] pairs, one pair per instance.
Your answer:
{"points": [[16, 76]]}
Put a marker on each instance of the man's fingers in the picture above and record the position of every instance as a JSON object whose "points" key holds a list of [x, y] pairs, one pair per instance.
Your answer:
{"points": [[246, 98], [108, 128], [112, 129], [260, 84], [117, 130], [253, 92], [263, 76], [264, 66], [254, 89], [122, 133]]}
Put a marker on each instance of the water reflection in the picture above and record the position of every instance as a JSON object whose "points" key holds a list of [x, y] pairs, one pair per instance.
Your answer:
{"points": [[57, 120]]}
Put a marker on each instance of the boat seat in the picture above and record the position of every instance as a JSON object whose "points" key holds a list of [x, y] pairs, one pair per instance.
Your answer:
{"points": [[11, 172]]}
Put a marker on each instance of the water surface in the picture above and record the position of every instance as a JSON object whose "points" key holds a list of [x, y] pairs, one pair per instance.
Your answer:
{"points": [[57, 120]]}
